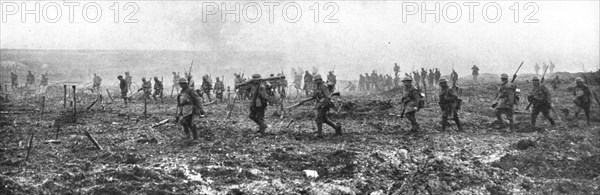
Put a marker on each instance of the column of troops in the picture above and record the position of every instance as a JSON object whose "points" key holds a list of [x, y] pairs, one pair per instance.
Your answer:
{"points": [[30, 80]]}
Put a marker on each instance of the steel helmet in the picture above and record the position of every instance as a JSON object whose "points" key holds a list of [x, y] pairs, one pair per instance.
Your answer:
{"points": [[182, 80], [535, 78], [407, 79], [317, 77], [443, 80], [578, 79], [504, 76]]}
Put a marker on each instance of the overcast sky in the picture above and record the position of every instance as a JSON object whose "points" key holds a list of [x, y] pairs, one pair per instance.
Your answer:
{"points": [[368, 35]]}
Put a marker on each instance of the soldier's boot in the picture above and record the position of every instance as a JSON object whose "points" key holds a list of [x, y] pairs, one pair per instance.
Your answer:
{"points": [[415, 126], [187, 132], [444, 123], [338, 129], [262, 128], [533, 119], [458, 125], [552, 122], [194, 132], [587, 116], [320, 130], [512, 124]]}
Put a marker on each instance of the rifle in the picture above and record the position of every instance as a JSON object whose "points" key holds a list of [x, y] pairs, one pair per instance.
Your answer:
{"points": [[593, 92], [515, 75], [308, 100], [512, 81], [190, 72], [541, 81]]}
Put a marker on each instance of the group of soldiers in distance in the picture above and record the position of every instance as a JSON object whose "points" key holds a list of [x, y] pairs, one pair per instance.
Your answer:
{"points": [[305, 81], [30, 80], [380, 82]]}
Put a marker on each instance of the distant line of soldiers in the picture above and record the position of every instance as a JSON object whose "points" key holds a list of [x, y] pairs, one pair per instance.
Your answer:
{"points": [[30, 80], [378, 82]]}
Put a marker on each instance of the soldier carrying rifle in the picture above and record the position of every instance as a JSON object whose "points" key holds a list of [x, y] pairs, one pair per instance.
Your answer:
{"points": [[449, 103], [188, 105], [540, 98], [258, 104], [583, 98], [322, 94], [411, 99], [504, 102]]}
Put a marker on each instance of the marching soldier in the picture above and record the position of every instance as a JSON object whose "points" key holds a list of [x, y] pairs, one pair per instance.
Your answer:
{"points": [[540, 99], [583, 98], [175, 81], [146, 87], [258, 104], [424, 78], [191, 82], [30, 78], [555, 82], [449, 103], [242, 91], [219, 89], [438, 74], [97, 82], [44, 82], [396, 69], [504, 101], [431, 77], [13, 80], [188, 104], [128, 78], [537, 68], [206, 87], [475, 72], [367, 82], [158, 89], [331, 78], [307, 83], [411, 99], [417, 78], [124, 88], [454, 78], [375, 80], [322, 95]]}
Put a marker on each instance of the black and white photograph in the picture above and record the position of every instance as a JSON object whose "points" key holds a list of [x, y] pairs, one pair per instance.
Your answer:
{"points": [[311, 97]]}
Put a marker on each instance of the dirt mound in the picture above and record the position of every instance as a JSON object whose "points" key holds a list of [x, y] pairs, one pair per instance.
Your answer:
{"points": [[444, 175]]}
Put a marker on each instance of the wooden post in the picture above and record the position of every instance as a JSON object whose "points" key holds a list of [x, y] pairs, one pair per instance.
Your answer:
{"points": [[74, 103], [110, 96], [29, 146], [42, 110], [145, 106], [65, 96], [89, 136], [228, 94], [57, 130]]}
